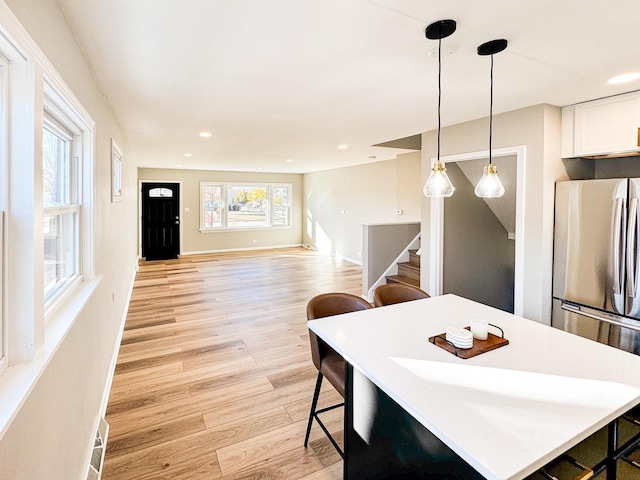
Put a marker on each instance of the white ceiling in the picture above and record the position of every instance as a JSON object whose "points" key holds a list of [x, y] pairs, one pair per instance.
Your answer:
{"points": [[292, 79]]}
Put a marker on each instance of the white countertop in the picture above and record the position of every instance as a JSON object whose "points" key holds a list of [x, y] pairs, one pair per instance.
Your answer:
{"points": [[506, 412]]}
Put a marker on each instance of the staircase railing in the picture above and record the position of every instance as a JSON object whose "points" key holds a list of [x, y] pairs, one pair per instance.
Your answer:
{"points": [[392, 269]]}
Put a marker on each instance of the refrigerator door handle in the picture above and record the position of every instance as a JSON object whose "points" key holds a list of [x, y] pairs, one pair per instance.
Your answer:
{"points": [[631, 248], [617, 234], [578, 311]]}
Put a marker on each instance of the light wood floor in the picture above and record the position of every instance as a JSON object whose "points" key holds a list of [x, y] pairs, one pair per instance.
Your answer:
{"points": [[214, 376]]}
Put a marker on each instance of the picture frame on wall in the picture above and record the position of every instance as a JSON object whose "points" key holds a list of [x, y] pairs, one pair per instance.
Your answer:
{"points": [[116, 172]]}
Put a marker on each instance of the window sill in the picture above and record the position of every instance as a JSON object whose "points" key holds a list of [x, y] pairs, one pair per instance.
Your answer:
{"points": [[244, 229], [17, 381]]}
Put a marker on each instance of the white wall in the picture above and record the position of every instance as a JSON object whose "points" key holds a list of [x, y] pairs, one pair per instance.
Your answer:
{"points": [[538, 128], [338, 202], [51, 434]]}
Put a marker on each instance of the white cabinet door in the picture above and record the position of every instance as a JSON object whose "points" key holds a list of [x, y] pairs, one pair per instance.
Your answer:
{"points": [[606, 126]]}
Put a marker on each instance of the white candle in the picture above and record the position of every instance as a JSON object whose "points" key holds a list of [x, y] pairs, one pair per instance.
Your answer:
{"points": [[479, 329]]}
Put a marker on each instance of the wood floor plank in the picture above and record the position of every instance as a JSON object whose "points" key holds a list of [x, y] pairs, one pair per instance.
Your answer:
{"points": [[144, 385], [228, 394], [214, 378], [332, 472], [325, 451], [154, 397], [181, 354], [122, 379], [256, 452], [156, 434]]}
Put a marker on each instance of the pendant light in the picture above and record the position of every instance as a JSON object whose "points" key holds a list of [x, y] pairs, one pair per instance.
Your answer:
{"points": [[490, 185], [438, 183]]}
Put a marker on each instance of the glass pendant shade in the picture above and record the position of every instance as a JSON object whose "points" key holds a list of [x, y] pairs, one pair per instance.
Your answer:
{"points": [[438, 183], [489, 185]]}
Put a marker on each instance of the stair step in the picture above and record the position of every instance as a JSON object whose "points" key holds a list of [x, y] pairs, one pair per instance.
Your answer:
{"points": [[403, 279], [407, 269], [414, 259]]}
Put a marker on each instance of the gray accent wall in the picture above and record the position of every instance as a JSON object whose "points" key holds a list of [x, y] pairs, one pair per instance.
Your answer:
{"points": [[589, 168], [382, 244], [479, 258]]}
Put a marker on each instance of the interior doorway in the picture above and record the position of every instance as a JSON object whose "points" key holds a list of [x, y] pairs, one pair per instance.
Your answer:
{"points": [[479, 235], [437, 226], [160, 220]]}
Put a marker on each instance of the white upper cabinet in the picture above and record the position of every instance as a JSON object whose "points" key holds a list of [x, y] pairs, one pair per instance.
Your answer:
{"points": [[602, 127]]}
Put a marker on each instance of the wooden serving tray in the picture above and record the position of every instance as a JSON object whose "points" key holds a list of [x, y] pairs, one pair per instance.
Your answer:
{"points": [[479, 346]]}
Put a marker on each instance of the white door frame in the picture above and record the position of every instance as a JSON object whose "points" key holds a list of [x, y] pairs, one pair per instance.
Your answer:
{"points": [[436, 238]]}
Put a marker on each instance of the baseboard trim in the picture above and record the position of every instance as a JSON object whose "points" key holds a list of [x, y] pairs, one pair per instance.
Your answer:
{"points": [[116, 350], [225, 250]]}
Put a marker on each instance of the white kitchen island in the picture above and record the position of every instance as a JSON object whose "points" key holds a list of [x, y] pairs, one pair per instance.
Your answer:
{"points": [[505, 413]]}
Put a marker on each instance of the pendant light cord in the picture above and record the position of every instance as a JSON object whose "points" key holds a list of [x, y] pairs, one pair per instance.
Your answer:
{"points": [[491, 110], [439, 89]]}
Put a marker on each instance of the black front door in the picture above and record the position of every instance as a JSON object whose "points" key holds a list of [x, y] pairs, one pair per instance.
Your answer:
{"points": [[160, 221]]}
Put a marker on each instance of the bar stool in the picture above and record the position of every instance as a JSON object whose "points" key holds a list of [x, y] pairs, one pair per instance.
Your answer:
{"points": [[391, 293], [564, 467], [328, 362], [631, 451]]}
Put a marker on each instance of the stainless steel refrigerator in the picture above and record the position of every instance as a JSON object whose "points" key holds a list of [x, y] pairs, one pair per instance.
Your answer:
{"points": [[596, 289]]}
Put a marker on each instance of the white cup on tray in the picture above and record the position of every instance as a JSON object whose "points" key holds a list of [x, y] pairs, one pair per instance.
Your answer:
{"points": [[480, 329]]}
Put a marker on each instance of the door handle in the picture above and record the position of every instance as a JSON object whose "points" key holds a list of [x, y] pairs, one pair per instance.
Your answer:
{"points": [[617, 234], [578, 311], [631, 248]]}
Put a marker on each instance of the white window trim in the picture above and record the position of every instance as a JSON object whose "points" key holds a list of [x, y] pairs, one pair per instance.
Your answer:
{"points": [[64, 108], [58, 122], [223, 205], [30, 343], [224, 215], [59, 97], [4, 184], [3, 316]]}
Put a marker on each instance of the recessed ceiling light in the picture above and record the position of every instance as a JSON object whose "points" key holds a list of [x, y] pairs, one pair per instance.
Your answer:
{"points": [[178, 165], [343, 146], [205, 134], [188, 154], [624, 78], [289, 160]]}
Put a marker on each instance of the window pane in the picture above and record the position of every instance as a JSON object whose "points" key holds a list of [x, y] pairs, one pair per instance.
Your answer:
{"points": [[160, 193], [280, 209], [212, 206], [60, 250], [247, 206], [55, 169]]}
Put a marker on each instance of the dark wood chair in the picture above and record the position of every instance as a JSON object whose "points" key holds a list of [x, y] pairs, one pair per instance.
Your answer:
{"points": [[391, 293], [329, 363]]}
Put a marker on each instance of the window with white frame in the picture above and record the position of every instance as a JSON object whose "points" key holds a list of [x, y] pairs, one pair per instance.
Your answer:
{"points": [[60, 207], [230, 206], [61, 175]]}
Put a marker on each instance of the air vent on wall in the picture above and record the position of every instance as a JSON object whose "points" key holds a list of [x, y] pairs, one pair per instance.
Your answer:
{"points": [[98, 451]]}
